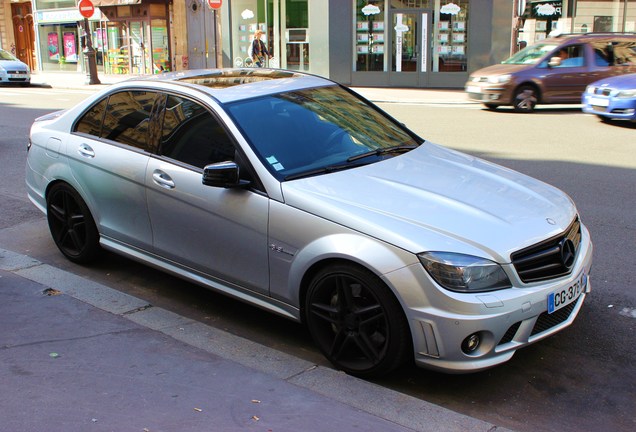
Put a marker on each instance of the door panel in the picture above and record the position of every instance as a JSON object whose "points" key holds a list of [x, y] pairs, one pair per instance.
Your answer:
{"points": [[217, 231], [115, 177]]}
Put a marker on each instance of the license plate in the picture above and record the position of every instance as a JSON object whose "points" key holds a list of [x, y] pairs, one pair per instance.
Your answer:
{"points": [[599, 102], [564, 296], [473, 89]]}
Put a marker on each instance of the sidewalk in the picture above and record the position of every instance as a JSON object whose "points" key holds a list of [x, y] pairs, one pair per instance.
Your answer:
{"points": [[375, 94], [77, 356]]}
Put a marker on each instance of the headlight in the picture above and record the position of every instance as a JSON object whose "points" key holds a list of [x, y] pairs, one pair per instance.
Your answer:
{"points": [[464, 273], [590, 89], [626, 93], [499, 79]]}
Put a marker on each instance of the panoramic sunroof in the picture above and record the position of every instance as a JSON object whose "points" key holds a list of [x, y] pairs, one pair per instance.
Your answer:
{"points": [[234, 77]]}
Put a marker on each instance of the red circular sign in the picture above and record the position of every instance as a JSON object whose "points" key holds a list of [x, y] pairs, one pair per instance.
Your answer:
{"points": [[86, 8], [215, 4]]}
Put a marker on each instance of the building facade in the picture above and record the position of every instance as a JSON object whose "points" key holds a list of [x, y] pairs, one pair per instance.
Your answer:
{"points": [[401, 43]]}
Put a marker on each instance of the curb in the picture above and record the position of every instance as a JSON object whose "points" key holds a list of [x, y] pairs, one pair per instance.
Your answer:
{"points": [[373, 399]]}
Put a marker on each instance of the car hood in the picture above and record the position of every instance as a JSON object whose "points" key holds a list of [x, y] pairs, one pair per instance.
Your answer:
{"points": [[500, 69], [433, 198], [621, 82], [13, 65]]}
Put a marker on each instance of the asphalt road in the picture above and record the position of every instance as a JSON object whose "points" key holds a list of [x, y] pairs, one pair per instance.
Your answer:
{"points": [[579, 380]]}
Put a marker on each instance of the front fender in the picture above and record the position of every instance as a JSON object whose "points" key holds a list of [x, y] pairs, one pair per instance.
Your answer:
{"points": [[300, 241]]}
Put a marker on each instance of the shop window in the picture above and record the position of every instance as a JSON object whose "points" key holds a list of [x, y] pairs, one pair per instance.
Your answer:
{"points": [[451, 36], [369, 36]]}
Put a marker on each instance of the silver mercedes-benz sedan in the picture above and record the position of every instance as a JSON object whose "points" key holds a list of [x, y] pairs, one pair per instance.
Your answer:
{"points": [[295, 194]]}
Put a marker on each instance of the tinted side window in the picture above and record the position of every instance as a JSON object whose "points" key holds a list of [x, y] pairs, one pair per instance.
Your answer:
{"points": [[614, 53], [127, 118], [191, 134], [91, 121]]}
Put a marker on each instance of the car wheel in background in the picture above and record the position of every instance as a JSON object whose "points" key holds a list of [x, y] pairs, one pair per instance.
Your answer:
{"points": [[525, 99], [356, 321], [71, 224]]}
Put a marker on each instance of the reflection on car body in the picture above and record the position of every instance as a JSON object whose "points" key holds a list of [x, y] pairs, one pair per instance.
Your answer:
{"points": [[293, 193]]}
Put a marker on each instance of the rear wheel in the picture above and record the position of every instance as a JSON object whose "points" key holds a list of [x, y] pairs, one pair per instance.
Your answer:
{"points": [[71, 224], [525, 99], [356, 321]]}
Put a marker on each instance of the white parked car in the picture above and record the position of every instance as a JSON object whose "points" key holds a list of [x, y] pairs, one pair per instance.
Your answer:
{"points": [[13, 70], [293, 193]]}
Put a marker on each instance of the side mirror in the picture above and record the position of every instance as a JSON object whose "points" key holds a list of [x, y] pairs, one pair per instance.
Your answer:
{"points": [[223, 174], [555, 62]]}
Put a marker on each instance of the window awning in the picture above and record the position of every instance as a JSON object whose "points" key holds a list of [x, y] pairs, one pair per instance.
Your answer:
{"points": [[100, 3]]}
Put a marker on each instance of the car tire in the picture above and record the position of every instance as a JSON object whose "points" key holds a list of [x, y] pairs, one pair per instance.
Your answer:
{"points": [[71, 224], [525, 99], [491, 107], [356, 321]]}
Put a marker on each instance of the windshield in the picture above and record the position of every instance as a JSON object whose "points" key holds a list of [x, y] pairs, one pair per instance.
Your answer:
{"points": [[531, 54], [4, 55], [318, 130]]}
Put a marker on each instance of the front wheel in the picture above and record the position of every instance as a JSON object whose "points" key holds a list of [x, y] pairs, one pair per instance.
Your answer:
{"points": [[356, 321], [525, 99], [71, 224]]}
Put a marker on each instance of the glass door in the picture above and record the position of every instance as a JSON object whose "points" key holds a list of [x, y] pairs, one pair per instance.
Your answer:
{"points": [[409, 48], [139, 49]]}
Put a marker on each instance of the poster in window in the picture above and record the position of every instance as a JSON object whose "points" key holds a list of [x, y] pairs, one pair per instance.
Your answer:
{"points": [[603, 24], [378, 26], [378, 37], [70, 47], [362, 49], [362, 26], [443, 25], [362, 37], [52, 43], [443, 37], [459, 26], [458, 37]]}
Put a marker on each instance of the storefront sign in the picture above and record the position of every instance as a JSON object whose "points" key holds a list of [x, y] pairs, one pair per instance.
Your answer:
{"points": [[63, 16], [86, 8], [450, 9], [371, 10], [546, 9], [424, 41]]}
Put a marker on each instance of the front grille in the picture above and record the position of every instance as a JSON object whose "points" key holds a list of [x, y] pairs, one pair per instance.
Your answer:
{"points": [[545, 260], [546, 321]]}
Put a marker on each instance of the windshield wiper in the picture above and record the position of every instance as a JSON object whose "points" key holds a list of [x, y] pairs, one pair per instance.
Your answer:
{"points": [[322, 170], [383, 151]]}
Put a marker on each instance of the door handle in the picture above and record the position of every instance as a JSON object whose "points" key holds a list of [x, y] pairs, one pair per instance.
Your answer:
{"points": [[162, 179], [86, 151]]}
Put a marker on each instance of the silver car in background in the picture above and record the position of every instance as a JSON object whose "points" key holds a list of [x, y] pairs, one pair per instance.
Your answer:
{"points": [[13, 70], [293, 193]]}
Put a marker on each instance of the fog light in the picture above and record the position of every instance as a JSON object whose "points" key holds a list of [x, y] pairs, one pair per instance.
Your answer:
{"points": [[471, 343]]}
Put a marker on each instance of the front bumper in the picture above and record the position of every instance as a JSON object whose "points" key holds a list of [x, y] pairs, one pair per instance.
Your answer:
{"points": [[504, 320], [614, 108], [495, 94]]}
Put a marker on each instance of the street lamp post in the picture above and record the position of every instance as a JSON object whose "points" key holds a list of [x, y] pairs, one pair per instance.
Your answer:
{"points": [[86, 9]]}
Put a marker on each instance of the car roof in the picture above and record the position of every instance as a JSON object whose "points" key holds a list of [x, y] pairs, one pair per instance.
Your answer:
{"points": [[591, 37], [228, 85]]}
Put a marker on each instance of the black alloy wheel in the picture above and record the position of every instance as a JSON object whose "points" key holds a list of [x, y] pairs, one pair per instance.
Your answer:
{"points": [[356, 321], [525, 99], [71, 224]]}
